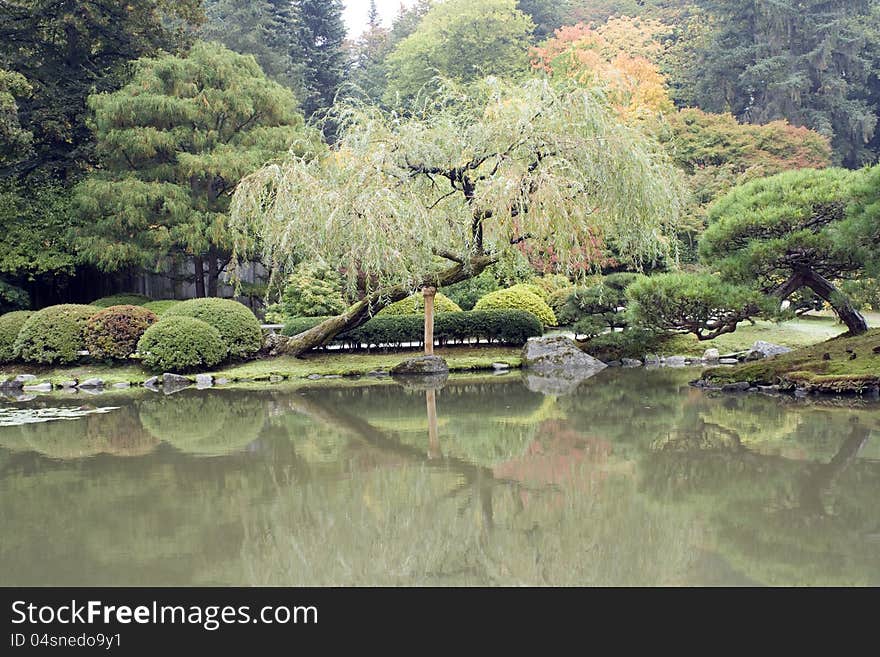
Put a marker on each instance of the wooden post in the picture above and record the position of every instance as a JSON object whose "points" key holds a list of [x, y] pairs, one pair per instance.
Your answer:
{"points": [[428, 293]]}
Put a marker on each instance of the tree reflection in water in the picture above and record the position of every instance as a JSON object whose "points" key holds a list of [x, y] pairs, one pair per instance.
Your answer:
{"points": [[635, 479]]}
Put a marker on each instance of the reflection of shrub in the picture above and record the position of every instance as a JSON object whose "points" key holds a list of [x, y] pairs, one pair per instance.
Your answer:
{"points": [[161, 307], [415, 305], [238, 326], [10, 325], [54, 334], [511, 327], [113, 333], [121, 300], [518, 299], [204, 424], [178, 344]]}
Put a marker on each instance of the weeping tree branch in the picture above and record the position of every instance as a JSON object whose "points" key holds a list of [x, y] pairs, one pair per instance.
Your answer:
{"points": [[363, 310]]}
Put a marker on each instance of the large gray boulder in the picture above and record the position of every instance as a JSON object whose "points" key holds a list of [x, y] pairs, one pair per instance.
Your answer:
{"points": [[558, 354], [763, 349]]}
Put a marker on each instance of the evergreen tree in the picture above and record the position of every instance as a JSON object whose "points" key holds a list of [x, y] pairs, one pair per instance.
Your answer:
{"points": [[801, 60], [369, 74], [260, 28], [318, 39], [173, 144]]}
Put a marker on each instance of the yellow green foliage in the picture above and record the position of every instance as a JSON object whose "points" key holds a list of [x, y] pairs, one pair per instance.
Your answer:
{"points": [[518, 299]]}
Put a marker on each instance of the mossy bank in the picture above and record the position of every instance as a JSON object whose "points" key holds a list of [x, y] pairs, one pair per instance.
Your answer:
{"points": [[841, 365]]}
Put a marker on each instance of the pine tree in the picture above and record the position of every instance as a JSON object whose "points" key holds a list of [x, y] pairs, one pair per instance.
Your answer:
{"points": [[318, 45], [173, 144]]}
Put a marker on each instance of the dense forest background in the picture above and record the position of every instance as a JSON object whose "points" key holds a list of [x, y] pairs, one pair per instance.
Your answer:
{"points": [[731, 90]]}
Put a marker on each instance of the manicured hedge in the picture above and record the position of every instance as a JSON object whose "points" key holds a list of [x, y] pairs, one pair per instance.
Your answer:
{"points": [[54, 334], [415, 305], [511, 327], [10, 325], [180, 344], [161, 307], [121, 300], [238, 326], [518, 298], [113, 333]]}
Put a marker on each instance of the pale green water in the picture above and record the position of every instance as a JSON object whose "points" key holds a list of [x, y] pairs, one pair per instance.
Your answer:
{"points": [[635, 480]]}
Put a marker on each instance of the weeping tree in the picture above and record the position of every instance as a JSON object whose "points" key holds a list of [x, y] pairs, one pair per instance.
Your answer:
{"points": [[434, 198]]}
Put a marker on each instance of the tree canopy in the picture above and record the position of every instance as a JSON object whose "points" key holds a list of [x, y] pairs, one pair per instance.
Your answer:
{"points": [[463, 41], [465, 183], [777, 235], [173, 144]]}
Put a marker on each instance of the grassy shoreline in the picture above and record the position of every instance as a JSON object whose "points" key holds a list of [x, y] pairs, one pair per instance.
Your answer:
{"points": [[460, 359]]}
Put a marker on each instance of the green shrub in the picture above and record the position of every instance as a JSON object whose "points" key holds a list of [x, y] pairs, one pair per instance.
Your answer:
{"points": [[10, 325], [313, 290], [180, 344], [701, 304], [537, 290], [467, 293], [551, 283], [13, 298], [511, 327], [54, 334], [630, 343], [238, 326], [557, 301], [415, 305], [518, 299], [591, 310], [121, 300], [113, 333], [162, 306]]}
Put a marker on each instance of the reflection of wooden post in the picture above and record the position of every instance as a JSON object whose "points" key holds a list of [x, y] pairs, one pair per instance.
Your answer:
{"points": [[429, 293], [433, 435]]}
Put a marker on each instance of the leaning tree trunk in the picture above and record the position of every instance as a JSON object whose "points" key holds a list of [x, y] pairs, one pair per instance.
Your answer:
{"points": [[841, 304], [839, 301], [364, 309]]}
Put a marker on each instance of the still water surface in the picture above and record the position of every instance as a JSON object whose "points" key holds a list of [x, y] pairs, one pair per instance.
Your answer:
{"points": [[637, 479]]}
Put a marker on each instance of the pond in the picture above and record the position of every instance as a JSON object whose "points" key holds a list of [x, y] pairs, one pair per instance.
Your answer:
{"points": [[635, 479]]}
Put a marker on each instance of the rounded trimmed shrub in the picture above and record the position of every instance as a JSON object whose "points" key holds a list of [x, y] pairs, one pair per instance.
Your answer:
{"points": [[239, 327], [537, 290], [121, 300], [161, 307], [54, 334], [113, 333], [415, 305], [518, 299], [178, 344], [10, 325]]}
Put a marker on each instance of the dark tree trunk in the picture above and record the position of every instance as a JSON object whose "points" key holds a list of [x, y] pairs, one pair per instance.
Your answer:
{"points": [[199, 276], [213, 274], [839, 301], [364, 309]]}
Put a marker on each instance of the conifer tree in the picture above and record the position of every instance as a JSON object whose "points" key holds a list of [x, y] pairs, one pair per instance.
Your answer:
{"points": [[318, 38], [173, 144]]}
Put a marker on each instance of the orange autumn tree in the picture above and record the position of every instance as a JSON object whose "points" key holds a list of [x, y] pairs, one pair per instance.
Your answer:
{"points": [[620, 57]]}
